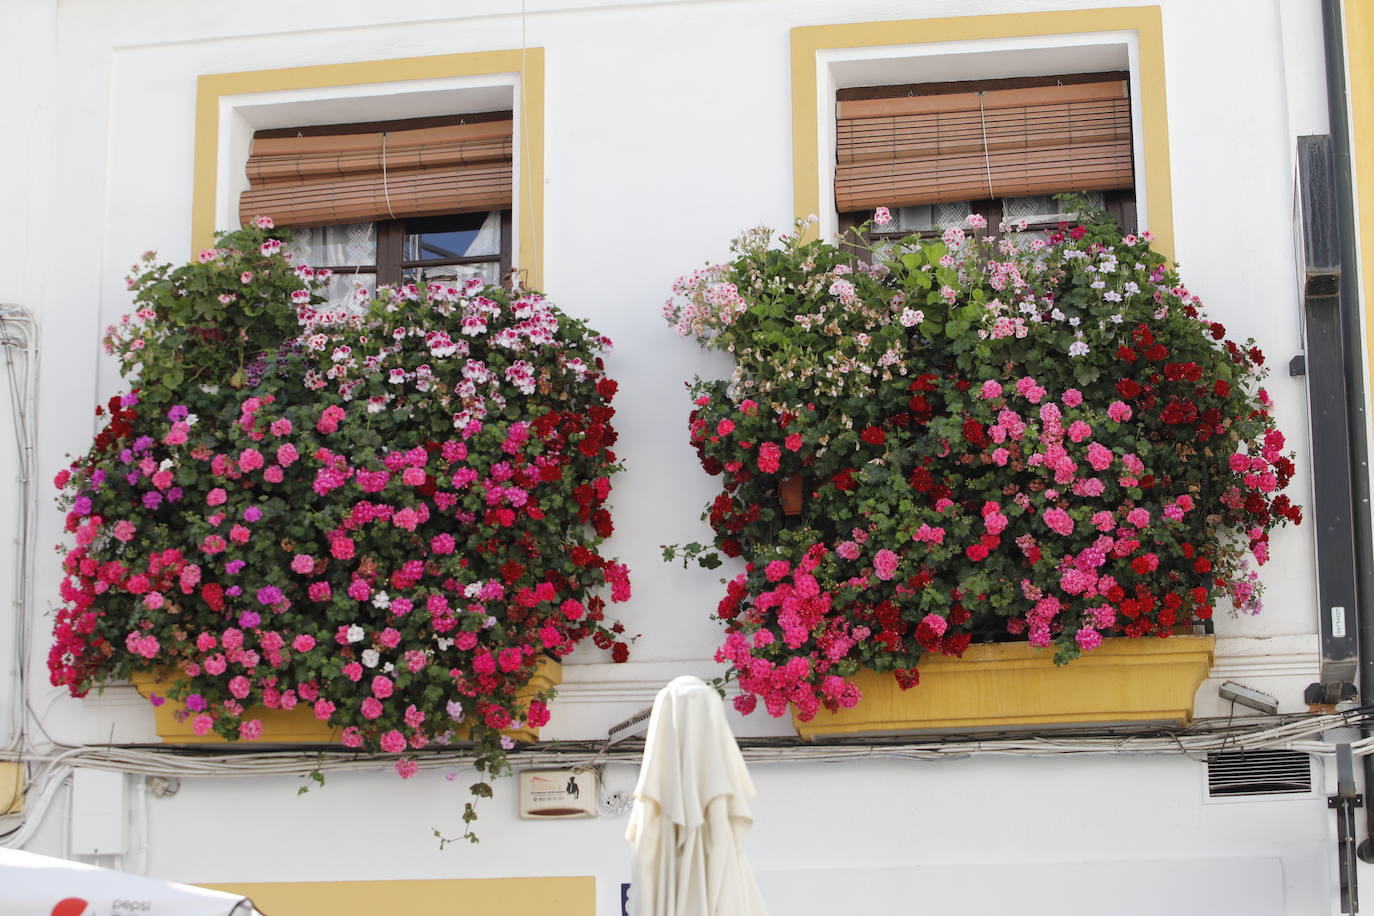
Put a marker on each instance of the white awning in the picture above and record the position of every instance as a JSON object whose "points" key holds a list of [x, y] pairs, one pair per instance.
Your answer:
{"points": [[35, 885]]}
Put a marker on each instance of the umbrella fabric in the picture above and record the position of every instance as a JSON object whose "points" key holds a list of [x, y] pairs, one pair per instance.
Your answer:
{"points": [[34, 885], [691, 811]]}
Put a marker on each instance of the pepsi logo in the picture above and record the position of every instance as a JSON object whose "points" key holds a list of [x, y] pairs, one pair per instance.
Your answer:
{"points": [[72, 906]]}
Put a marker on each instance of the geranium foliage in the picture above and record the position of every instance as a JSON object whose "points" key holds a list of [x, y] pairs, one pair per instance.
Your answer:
{"points": [[1036, 438], [388, 514]]}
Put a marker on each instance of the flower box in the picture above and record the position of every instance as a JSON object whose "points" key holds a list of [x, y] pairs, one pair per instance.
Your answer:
{"points": [[1043, 436], [1013, 684], [299, 725]]}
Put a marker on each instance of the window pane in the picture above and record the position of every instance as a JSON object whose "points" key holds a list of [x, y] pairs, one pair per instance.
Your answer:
{"points": [[911, 219], [927, 217], [453, 274], [345, 245], [952, 214], [1030, 240], [341, 292], [464, 235], [1041, 208]]}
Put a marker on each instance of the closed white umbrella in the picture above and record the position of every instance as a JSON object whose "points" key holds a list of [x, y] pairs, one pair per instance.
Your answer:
{"points": [[691, 811], [34, 885]]}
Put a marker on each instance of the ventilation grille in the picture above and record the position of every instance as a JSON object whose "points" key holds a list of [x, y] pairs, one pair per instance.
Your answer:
{"points": [[1246, 773], [632, 727]]}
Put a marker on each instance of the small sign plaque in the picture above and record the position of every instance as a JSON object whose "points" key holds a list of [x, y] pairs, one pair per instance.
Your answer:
{"points": [[554, 794]]}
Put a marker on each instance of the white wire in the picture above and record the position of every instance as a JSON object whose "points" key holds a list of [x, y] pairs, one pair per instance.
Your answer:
{"points": [[987, 158], [386, 187], [1301, 735], [18, 334]]}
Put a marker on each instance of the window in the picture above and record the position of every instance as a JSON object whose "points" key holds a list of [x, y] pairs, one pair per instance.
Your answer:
{"points": [[933, 153], [431, 249], [1037, 216], [415, 201]]}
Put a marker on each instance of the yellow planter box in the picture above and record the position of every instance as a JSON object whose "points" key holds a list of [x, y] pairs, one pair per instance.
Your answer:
{"points": [[1015, 684], [299, 725]]}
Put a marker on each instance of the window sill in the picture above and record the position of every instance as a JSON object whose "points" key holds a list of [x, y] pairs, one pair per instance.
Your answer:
{"points": [[299, 725], [1013, 684]]}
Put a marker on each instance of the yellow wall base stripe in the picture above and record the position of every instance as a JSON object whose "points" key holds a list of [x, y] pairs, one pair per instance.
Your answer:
{"points": [[11, 788], [449, 897]]}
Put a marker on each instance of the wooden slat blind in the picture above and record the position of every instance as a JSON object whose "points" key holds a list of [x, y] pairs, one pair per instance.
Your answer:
{"points": [[970, 145], [354, 177]]}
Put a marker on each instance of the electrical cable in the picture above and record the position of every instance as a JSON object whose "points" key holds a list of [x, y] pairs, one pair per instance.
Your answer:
{"points": [[987, 158], [18, 332], [386, 188], [1296, 733]]}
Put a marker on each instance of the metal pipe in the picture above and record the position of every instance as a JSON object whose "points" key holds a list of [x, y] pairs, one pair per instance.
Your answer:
{"points": [[1337, 101], [1344, 803]]}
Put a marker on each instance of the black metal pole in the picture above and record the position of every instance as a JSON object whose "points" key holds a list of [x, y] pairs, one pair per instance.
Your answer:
{"points": [[1338, 113], [1344, 803]]}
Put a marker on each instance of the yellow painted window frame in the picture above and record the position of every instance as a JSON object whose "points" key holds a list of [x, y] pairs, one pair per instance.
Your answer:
{"points": [[527, 62], [1143, 20]]}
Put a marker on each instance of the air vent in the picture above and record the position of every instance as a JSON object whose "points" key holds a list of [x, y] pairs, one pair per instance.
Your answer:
{"points": [[1250, 773], [632, 727]]}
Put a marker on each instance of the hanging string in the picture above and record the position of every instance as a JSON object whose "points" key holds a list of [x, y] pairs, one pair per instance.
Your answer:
{"points": [[386, 189], [987, 161]]}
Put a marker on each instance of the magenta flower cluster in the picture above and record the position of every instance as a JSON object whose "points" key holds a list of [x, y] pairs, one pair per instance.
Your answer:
{"points": [[378, 520]]}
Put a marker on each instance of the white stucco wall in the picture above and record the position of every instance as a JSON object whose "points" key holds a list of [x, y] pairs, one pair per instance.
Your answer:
{"points": [[668, 130]]}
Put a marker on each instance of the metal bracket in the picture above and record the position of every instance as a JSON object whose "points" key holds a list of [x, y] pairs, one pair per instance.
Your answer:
{"points": [[1335, 801]]}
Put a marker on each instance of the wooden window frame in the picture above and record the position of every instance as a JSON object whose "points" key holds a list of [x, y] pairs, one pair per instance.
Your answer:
{"points": [[1119, 204], [390, 266]]}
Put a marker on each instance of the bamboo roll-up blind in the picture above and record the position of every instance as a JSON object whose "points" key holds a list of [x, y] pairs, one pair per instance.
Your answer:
{"points": [[955, 146], [374, 174]]}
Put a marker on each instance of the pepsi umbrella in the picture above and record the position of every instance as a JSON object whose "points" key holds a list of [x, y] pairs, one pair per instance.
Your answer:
{"points": [[34, 885]]}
